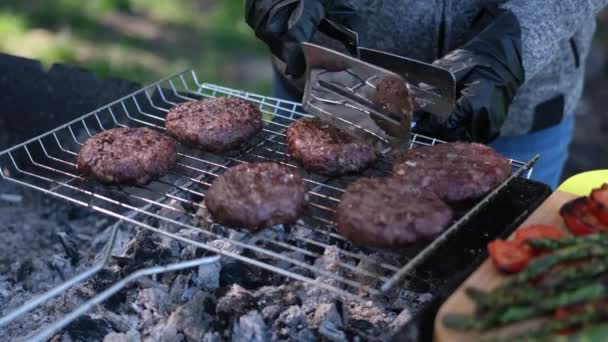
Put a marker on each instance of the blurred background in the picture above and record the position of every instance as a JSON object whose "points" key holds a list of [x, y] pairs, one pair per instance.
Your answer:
{"points": [[144, 40]]}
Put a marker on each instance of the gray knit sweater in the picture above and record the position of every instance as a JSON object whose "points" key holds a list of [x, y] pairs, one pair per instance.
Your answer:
{"points": [[556, 37]]}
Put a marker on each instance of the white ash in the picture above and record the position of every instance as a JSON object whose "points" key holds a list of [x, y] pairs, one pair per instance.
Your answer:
{"points": [[292, 326], [250, 327]]}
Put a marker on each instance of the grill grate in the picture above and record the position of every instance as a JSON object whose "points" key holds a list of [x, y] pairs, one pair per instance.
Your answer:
{"points": [[47, 163]]}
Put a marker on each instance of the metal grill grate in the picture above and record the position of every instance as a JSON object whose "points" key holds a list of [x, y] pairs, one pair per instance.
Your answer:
{"points": [[47, 163]]}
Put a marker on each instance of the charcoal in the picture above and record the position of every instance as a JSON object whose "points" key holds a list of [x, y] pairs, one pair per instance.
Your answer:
{"points": [[330, 321], [235, 302], [291, 325], [88, 328], [119, 323], [247, 275], [367, 319], [191, 319], [251, 328], [195, 234], [284, 295], [130, 336], [212, 337], [271, 312], [208, 276], [163, 333], [312, 296], [179, 287], [71, 250], [154, 305]]}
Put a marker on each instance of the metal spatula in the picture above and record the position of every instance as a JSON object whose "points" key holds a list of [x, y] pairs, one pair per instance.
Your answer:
{"points": [[340, 90], [339, 87], [433, 88]]}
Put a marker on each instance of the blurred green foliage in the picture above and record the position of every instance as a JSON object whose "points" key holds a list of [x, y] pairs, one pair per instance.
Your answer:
{"points": [[141, 40]]}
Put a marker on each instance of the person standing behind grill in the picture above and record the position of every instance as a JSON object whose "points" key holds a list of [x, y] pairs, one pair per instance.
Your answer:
{"points": [[519, 64]]}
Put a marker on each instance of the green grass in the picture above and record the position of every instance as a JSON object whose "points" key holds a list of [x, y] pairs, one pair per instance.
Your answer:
{"points": [[211, 38]]}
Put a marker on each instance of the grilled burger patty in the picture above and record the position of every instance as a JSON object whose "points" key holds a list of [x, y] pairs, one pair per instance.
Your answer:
{"points": [[256, 195], [393, 96], [454, 171], [216, 125], [127, 156], [389, 212], [327, 150]]}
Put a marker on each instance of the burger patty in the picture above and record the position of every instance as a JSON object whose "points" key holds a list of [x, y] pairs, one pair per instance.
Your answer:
{"points": [[393, 96], [327, 150], [454, 171], [256, 195], [388, 212], [215, 125], [127, 156]]}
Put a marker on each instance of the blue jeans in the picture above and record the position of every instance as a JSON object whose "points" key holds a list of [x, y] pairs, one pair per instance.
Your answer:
{"points": [[551, 143]]}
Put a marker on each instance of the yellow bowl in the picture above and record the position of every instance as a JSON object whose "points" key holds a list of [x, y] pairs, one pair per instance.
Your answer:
{"points": [[583, 183]]}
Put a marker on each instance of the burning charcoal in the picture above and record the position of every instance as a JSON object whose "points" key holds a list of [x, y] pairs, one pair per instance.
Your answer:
{"points": [[208, 276], [71, 250], [235, 302], [250, 327], [119, 323], [191, 319], [130, 336]]}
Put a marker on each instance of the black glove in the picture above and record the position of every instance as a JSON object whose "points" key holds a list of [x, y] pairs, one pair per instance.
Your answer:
{"points": [[284, 24], [488, 71]]}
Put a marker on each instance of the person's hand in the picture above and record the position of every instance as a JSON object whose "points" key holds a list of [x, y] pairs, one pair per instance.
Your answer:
{"points": [[488, 71], [284, 24]]}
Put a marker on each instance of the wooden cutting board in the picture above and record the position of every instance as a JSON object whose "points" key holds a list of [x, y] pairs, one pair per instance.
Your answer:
{"points": [[486, 277]]}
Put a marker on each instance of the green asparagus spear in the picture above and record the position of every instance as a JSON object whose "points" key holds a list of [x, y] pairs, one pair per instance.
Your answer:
{"points": [[544, 263], [566, 278], [553, 244], [502, 316], [590, 314]]}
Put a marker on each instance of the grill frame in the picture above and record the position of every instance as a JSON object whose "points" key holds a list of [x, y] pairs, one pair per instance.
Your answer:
{"points": [[185, 81]]}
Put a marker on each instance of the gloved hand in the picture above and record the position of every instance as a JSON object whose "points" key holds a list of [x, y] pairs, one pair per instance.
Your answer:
{"points": [[284, 24], [488, 71]]}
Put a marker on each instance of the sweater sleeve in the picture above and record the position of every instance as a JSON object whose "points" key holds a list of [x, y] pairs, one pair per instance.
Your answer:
{"points": [[546, 23]]}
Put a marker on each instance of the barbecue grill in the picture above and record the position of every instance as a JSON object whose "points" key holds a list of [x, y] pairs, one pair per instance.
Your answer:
{"points": [[398, 278]]}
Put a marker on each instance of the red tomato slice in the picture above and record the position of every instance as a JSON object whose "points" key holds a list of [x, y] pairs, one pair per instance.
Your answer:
{"points": [[579, 219], [509, 256], [537, 231], [598, 203]]}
